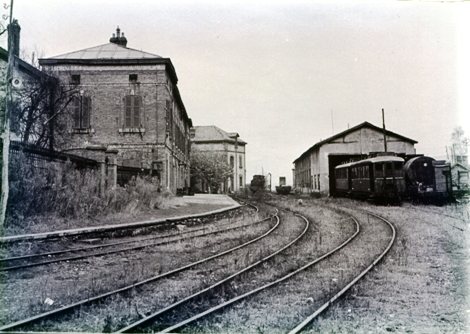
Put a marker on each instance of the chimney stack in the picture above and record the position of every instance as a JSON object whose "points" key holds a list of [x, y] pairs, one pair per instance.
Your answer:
{"points": [[118, 38], [14, 37]]}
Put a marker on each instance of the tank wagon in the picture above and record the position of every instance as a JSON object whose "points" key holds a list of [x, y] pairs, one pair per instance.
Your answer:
{"points": [[379, 178], [427, 179]]}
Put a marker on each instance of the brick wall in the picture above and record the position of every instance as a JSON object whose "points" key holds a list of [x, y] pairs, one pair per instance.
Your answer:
{"points": [[152, 144]]}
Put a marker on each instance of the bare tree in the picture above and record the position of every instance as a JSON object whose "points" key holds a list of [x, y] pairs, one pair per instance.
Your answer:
{"points": [[210, 168], [39, 114]]}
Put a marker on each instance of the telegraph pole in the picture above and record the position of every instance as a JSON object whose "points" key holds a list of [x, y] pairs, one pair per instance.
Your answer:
{"points": [[5, 120], [385, 134]]}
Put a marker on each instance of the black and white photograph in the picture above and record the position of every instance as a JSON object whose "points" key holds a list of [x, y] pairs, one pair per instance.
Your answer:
{"points": [[258, 167]]}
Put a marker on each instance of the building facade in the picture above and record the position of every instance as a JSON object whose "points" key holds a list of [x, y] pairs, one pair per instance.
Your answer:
{"points": [[126, 102], [215, 141], [314, 169]]}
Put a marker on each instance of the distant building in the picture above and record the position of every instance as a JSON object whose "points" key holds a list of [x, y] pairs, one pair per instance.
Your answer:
{"points": [[460, 177], [314, 169], [213, 140], [127, 101]]}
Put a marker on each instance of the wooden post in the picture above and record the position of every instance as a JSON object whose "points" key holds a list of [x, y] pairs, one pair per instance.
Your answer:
{"points": [[5, 118], [385, 134]]}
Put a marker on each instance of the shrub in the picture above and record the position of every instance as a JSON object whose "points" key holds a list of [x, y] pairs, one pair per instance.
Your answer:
{"points": [[70, 192]]}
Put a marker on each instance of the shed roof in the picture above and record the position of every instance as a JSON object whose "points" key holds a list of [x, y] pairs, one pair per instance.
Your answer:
{"points": [[213, 134], [355, 128]]}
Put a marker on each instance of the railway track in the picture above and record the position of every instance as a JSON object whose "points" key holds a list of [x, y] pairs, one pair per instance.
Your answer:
{"points": [[18, 262], [191, 302], [301, 326], [98, 298], [154, 321], [442, 214], [341, 248]]}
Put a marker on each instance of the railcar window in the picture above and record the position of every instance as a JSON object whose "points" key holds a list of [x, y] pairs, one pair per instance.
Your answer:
{"points": [[388, 169], [379, 172], [398, 169], [366, 172]]}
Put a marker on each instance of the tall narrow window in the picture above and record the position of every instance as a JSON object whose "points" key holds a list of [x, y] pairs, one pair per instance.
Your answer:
{"points": [[232, 161], [81, 110], [240, 162], [133, 111]]}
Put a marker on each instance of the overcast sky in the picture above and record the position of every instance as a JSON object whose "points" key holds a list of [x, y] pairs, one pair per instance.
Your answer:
{"points": [[286, 74]]}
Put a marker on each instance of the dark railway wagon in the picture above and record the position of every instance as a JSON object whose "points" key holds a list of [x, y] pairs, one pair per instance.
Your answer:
{"points": [[380, 178], [257, 183], [427, 179]]}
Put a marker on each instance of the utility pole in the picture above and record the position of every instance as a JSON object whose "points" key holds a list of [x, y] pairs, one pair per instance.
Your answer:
{"points": [[385, 134], [5, 120]]}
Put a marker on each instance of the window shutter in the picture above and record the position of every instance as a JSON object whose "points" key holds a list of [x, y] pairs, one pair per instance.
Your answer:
{"points": [[128, 112], [76, 112], [86, 106], [137, 108]]}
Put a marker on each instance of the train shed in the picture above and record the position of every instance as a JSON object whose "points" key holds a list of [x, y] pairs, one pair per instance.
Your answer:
{"points": [[314, 169]]}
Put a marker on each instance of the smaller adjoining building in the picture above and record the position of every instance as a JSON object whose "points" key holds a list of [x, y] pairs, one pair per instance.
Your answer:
{"points": [[215, 141], [460, 177], [314, 169]]}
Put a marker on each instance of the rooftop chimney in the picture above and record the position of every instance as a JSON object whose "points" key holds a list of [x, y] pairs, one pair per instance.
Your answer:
{"points": [[14, 37], [118, 38]]}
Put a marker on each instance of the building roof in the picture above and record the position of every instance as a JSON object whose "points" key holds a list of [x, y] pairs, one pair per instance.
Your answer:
{"points": [[372, 160], [213, 134], [107, 51], [24, 66], [459, 165], [348, 131]]}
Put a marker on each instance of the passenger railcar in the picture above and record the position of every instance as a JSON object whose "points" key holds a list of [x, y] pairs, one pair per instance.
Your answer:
{"points": [[379, 178], [427, 179]]}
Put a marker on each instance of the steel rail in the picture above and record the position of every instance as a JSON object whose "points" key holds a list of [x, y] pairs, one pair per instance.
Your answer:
{"points": [[159, 243], [152, 316], [445, 215], [128, 287], [310, 318], [266, 286], [80, 249]]}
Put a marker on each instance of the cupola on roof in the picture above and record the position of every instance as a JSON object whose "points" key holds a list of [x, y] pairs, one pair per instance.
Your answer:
{"points": [[118, 38]]}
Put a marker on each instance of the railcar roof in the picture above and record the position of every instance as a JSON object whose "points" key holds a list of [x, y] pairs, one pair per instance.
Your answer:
{"points": [[372, 160]]}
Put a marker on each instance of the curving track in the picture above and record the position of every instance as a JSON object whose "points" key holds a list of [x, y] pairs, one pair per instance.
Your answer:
{"points": [[69, 308], [19, 262], [354, 281]]}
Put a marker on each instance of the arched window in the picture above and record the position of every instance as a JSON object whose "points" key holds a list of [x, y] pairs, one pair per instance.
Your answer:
{"points": [[232, 161]]}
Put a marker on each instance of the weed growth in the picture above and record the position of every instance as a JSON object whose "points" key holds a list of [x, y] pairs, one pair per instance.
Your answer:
{"points": [[69, 192]]}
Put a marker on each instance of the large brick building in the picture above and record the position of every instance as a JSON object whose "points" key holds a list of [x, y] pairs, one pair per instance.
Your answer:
{"points": [[215, 141], [314, 169], [127, 102]]}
